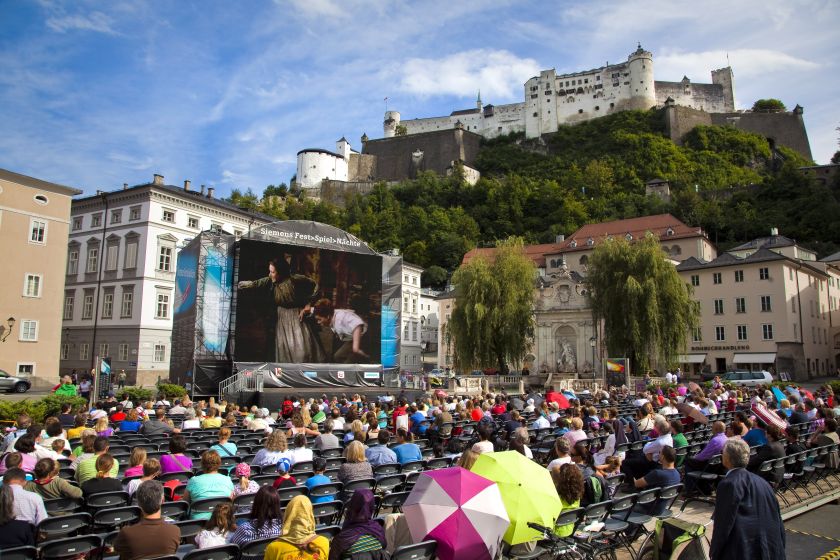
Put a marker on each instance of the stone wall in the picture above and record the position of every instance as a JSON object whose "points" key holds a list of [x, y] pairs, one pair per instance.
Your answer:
{"points": [[679, 121], [362, 167], [403, 157], [785, 129]]}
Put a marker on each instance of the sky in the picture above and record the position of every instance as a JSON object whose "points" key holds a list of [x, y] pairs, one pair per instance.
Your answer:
{"points": [[97, 94]]}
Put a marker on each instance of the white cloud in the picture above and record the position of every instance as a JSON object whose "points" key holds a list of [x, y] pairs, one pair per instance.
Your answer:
{"points": [[499, 74], [94, 21], [131, 162], [319, 8], [747, 63]]}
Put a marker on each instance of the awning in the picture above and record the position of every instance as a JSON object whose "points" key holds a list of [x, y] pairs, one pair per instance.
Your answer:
{"points": [[755, 358], [691, 358]]}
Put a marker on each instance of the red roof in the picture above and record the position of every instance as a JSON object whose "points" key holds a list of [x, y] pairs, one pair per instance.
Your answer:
{"points": [[536, 253]]}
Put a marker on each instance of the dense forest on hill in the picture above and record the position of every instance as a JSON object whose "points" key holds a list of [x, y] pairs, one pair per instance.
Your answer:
{"points": [[722, 179]]}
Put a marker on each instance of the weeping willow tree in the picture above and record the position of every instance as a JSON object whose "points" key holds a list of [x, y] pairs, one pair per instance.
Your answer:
{"points": [[493, 319], [646, 307]]}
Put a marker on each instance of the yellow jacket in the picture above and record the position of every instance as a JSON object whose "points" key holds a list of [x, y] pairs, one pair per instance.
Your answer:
{"points": [[319, 549]]}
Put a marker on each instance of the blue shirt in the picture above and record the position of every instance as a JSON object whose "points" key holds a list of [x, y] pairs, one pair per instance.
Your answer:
{"points": [[408, 452], [416, 425], [319, 480], [381, 455], [128, 426], [755, 437], [660, 478]]}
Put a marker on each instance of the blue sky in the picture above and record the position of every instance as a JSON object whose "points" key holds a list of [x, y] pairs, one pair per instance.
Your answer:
{"points": [[97, 94]]}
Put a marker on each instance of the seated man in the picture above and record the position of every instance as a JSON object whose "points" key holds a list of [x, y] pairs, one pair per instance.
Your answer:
{"points": [[381, 454], [28, 506], [639, 466], [666, 475], [150, 537], [348, 328]]}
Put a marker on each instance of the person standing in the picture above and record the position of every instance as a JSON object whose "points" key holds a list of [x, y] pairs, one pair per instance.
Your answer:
{"points": [[748, 523], [121, 379]]}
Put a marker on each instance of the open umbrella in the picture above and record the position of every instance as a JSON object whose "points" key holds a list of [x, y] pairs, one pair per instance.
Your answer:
{"points": [[458, 509], [527, 492], [794, 391], [690, 412], [559, 398], [807, 393], [767, 416], [779, 396], [440, 394]]}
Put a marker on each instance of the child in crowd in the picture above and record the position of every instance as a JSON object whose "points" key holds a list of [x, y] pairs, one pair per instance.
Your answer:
{"points": [[219, 527], [285, 480], [59, 446], [319, 465]]}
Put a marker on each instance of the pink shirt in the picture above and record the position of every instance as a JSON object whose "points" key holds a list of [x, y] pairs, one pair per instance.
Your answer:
{"points": [[170, 463], [134, 471]]}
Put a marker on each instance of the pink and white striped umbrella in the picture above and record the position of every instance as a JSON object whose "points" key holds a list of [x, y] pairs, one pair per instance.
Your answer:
{"points": [[462, 511]]}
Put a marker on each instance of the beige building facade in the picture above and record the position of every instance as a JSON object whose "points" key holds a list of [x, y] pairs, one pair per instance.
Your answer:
{"points": [[765, 305], [34, 225]]}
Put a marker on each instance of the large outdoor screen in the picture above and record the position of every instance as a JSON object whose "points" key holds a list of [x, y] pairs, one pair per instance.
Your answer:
{"points": [[307, 305]]}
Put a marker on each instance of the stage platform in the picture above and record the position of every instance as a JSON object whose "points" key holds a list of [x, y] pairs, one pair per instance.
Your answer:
{"points": [[272, 399]]}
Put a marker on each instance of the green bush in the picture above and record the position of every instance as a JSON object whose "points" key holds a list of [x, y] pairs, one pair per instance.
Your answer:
{"points": [[171, 390], [835, 386], [137, 394], [39, 409], [52, 404]]}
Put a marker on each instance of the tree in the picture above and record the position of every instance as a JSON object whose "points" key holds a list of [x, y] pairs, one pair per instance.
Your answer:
{"points": [[278, 190], [400, 130], [493, 319], [434, 276], [646, 307], [768, 106]]}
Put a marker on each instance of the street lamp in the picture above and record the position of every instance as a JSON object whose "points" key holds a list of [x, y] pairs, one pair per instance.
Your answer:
{"points": [[11, 323], [592, 342]]}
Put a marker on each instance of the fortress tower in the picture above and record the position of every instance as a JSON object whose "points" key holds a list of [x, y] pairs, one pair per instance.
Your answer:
{"points": [[392, 120], [642, 89], [726, 78]]}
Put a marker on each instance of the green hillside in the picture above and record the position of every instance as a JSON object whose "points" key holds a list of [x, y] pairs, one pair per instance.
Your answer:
{"points": [[722, 179]]}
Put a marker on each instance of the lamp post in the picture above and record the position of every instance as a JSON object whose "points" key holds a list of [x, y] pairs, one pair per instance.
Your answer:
{"points": [[592, 342], [11, 322]]}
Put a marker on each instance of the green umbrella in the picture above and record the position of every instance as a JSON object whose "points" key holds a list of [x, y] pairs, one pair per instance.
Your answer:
{"points": [[527, 492]]}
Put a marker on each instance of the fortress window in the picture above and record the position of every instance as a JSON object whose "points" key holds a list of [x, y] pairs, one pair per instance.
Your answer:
{"points": [[597, 108], [597, 78], [586, 80], [535, 114], [580, 111], [612, 105], [534, 96], [548, 92]]}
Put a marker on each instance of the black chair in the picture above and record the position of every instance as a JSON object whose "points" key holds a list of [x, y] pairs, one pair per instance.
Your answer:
{"points": [[180, 476], [332, 453], [20, 553], [61, 506], [327, 513], [335, 462], [703, 479], [412, 466], [665, 500], [190, 528], [302, 466], [359, 484], [328, 531], [254, 550], [243, 501], [286, 494], [437, 463], [393, 501], [390, 483], [264, 479], [53, 528], [383, 470], [67, 473], [421, 551], [70, 547], [175, 510], [224, 552], [206, 505], [111, 518], [107, 500], [333, 489]]}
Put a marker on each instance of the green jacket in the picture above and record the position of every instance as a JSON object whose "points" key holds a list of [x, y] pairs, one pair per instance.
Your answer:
{"points": [[66, 391]]}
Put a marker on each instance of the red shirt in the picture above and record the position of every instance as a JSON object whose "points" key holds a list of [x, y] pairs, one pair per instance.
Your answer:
{"points": [[118, 417], [476, 414], [498, 409], [281, 482]]}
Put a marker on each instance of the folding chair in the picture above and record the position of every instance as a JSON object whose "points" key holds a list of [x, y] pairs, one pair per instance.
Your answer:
{"points": [[254, 550], [71, 547], [190, 528], [175, 511], [243, 502], [224, 552], [322, 490], [411, 466], [206, 505], [384, 470], [286, 494], [60, 527], [390, 483], [327, 513], [111, 518], [21, 553], [437, 463], [421, 551], [61, 506], [394, 501], [329, 531]]}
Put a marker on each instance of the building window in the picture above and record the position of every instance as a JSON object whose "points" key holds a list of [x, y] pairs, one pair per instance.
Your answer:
{"points": [[192, 222], [405, 331], [123, 352], [111, 256], [740, 305], [765, 303], [160, 352], [793, 306], [108, 305], [104, 350], [405, 304], [73, 261], [92, 259], [720, 333], [742, 332], [718, 307], [116, 216], [130, 260], [767, 332], [695, 279], [739, 275], [87, 306], [134, 213], [32, 285], [84, 351], [764, 273], [96, 220], [716, 278], [65, 351], [414, 305], [28, 331], [77, 223], [37, 232], [696, 335], [69, 302], [414, 331], [168, 216], [26, 370], [127, 306], [162, 308], [165, 259]]}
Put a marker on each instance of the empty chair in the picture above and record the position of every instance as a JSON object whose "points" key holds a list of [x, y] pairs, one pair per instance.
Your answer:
{"points": [[421, 551], [21, 553], [382, 470], [58, 506], [412, 466], [107, 500], [224, 552], [243, 502], [206, 505], [190, 528], [60, 527], [71, 547], [175, 510], [111, 518], [393, 501], [254, 550], [288, 493], [327, 513], [436, 463]]}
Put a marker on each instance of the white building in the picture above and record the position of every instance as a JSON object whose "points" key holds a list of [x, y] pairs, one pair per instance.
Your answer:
{"points": [[121, 261], [429, 326], [410, 344]]}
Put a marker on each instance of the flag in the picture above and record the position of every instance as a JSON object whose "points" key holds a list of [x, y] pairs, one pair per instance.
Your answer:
{"points": [[104, 367], [615, 365]]}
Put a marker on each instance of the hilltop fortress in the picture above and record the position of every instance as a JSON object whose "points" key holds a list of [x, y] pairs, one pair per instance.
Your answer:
{"points": [[550, 100]]}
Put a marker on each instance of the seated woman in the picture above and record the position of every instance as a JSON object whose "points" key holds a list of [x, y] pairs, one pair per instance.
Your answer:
{"points": [[209, 484], [131, 423], [103, 482], [225, 448], [357, 466], [568, 480], [176, 461], [299, 540], [300, 453], [265, 520], [48, 484], [276, 448], [135, 462], [13, 532], [576, 433], [360, 533]]}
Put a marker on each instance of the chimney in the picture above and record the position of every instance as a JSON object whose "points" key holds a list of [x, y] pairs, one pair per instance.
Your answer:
{"points": [[210, 192], [202, 190], [187, 185], [158, 180], [774, 231], [560, 238], [125, 186]]}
